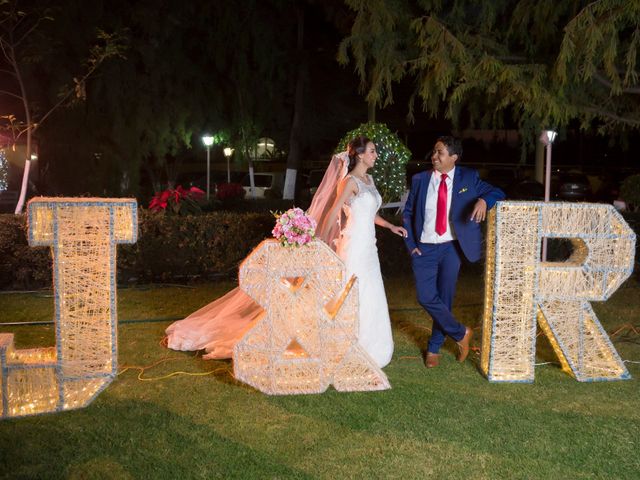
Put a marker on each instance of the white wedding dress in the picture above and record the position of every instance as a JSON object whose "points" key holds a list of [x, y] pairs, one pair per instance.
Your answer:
{"points": [[356, 247]]}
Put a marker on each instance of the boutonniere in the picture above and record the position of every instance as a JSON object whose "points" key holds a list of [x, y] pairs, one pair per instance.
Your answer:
{"points": [[462, 190]]}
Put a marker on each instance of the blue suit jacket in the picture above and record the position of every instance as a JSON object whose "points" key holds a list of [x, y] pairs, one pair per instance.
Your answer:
{"points": [[467, 188]]}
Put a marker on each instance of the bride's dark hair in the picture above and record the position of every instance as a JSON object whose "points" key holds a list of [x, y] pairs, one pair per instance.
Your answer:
{"points": [[356, 147]]}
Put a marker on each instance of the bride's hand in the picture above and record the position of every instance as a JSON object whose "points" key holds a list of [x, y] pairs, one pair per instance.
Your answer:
{"points": [[398, 231]]}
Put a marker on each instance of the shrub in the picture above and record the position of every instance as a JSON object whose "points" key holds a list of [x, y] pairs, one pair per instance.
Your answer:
{"points": [[229, 191], [192, 246], [21, 266], [168, 248], [171, 248], [630, 192], [273, 193], [178, 201], [390, 168]]}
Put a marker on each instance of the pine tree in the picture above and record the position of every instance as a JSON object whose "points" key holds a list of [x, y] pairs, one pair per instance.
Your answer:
{"points": [[539, 63]]}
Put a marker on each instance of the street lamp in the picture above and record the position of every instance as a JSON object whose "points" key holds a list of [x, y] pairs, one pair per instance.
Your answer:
{"points": [[547, 137], [227, 153], [208, 141]]}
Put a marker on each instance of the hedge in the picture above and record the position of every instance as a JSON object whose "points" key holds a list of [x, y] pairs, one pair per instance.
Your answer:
{"points": [[180, 249], [169, 248], [21, 266]]}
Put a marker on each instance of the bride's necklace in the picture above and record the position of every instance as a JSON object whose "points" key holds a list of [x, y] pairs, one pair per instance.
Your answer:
{"points": [[362, 178]]}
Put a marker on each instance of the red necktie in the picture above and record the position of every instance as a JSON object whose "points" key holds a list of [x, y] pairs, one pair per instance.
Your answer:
{"points": [[441, 211]]}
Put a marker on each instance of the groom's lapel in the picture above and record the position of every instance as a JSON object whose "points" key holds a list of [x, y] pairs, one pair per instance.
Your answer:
{"points": [[421, 202], [423, 190], [457, 186]]}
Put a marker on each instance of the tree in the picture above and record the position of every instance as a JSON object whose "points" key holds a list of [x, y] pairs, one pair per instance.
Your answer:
{"points": [[295, 151], [191, 68], [390, 168], [18, 27], [536, 63], [254, 70], [140, 114]]}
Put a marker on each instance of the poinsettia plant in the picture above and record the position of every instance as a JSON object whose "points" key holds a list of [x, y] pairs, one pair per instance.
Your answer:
{"points": [[178, 201], [229, 191]]}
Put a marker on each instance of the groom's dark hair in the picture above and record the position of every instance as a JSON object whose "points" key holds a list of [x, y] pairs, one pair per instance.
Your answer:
{"points": [[453, 144]]}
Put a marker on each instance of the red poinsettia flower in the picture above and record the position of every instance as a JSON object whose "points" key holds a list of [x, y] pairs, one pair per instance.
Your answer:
{"points": [[175, 197], [196, 193], [229, 191], [159, 201]]}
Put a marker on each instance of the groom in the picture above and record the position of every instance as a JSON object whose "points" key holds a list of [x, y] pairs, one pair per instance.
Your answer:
{"points": [[442, 217]]}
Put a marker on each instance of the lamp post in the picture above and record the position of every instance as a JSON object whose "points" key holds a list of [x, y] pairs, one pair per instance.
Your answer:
{"points": [[227, 153], [547, 137], [208, 141]]}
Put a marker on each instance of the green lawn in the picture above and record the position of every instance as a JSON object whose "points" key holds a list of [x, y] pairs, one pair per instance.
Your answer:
{"points": [[448, 422]]}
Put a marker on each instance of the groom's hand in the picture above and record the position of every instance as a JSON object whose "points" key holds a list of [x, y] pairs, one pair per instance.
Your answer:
{"points": [[416, 251], [479, 211]]}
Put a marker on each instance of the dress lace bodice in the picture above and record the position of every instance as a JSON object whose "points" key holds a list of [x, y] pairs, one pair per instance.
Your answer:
{"points": [[360, 212], [364, 189]]}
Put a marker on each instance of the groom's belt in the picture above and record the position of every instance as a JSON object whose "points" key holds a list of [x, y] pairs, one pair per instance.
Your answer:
{"points": [[441, 243]]}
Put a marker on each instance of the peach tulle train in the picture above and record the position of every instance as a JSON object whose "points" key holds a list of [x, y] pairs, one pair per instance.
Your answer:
{"points": [[218, 326]]}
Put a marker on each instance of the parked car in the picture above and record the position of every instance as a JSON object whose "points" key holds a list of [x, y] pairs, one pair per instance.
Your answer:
{"points": [[608, 190], [309, 183], [528, 189], [216, 178], [313, 181], [572, 186], [266, 184], [502, 177]]}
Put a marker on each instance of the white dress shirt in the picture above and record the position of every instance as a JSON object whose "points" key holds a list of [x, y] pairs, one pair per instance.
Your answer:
{"points": [[429, 234]]}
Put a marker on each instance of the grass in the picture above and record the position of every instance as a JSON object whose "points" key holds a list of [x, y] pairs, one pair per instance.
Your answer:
{"points": [[447, 422]]}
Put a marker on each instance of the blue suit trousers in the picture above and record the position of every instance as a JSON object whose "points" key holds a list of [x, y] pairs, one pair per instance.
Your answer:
{"points": [[436, 273]]}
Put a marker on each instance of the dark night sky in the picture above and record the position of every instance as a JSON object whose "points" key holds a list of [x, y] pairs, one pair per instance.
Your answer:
{"points": [[333, 105]]}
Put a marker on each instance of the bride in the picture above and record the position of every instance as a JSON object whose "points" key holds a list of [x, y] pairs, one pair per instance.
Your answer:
{"points": [[345, 208]]}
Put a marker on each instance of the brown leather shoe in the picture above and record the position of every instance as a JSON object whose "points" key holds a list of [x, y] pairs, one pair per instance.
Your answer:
{"points": [[464, 344], [432, 360]]}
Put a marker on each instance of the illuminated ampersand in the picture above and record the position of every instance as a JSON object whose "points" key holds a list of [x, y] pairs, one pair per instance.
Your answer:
{"points": [[521, 289], [306, 338], [83, 234]]}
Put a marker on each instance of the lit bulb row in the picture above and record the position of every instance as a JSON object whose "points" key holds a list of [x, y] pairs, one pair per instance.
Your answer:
{"points": [[49, 404], [388, 145], [3, 170]]}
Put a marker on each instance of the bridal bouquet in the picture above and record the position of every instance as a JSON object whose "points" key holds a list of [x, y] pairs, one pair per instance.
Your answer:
{"points": [[294, 228]]}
